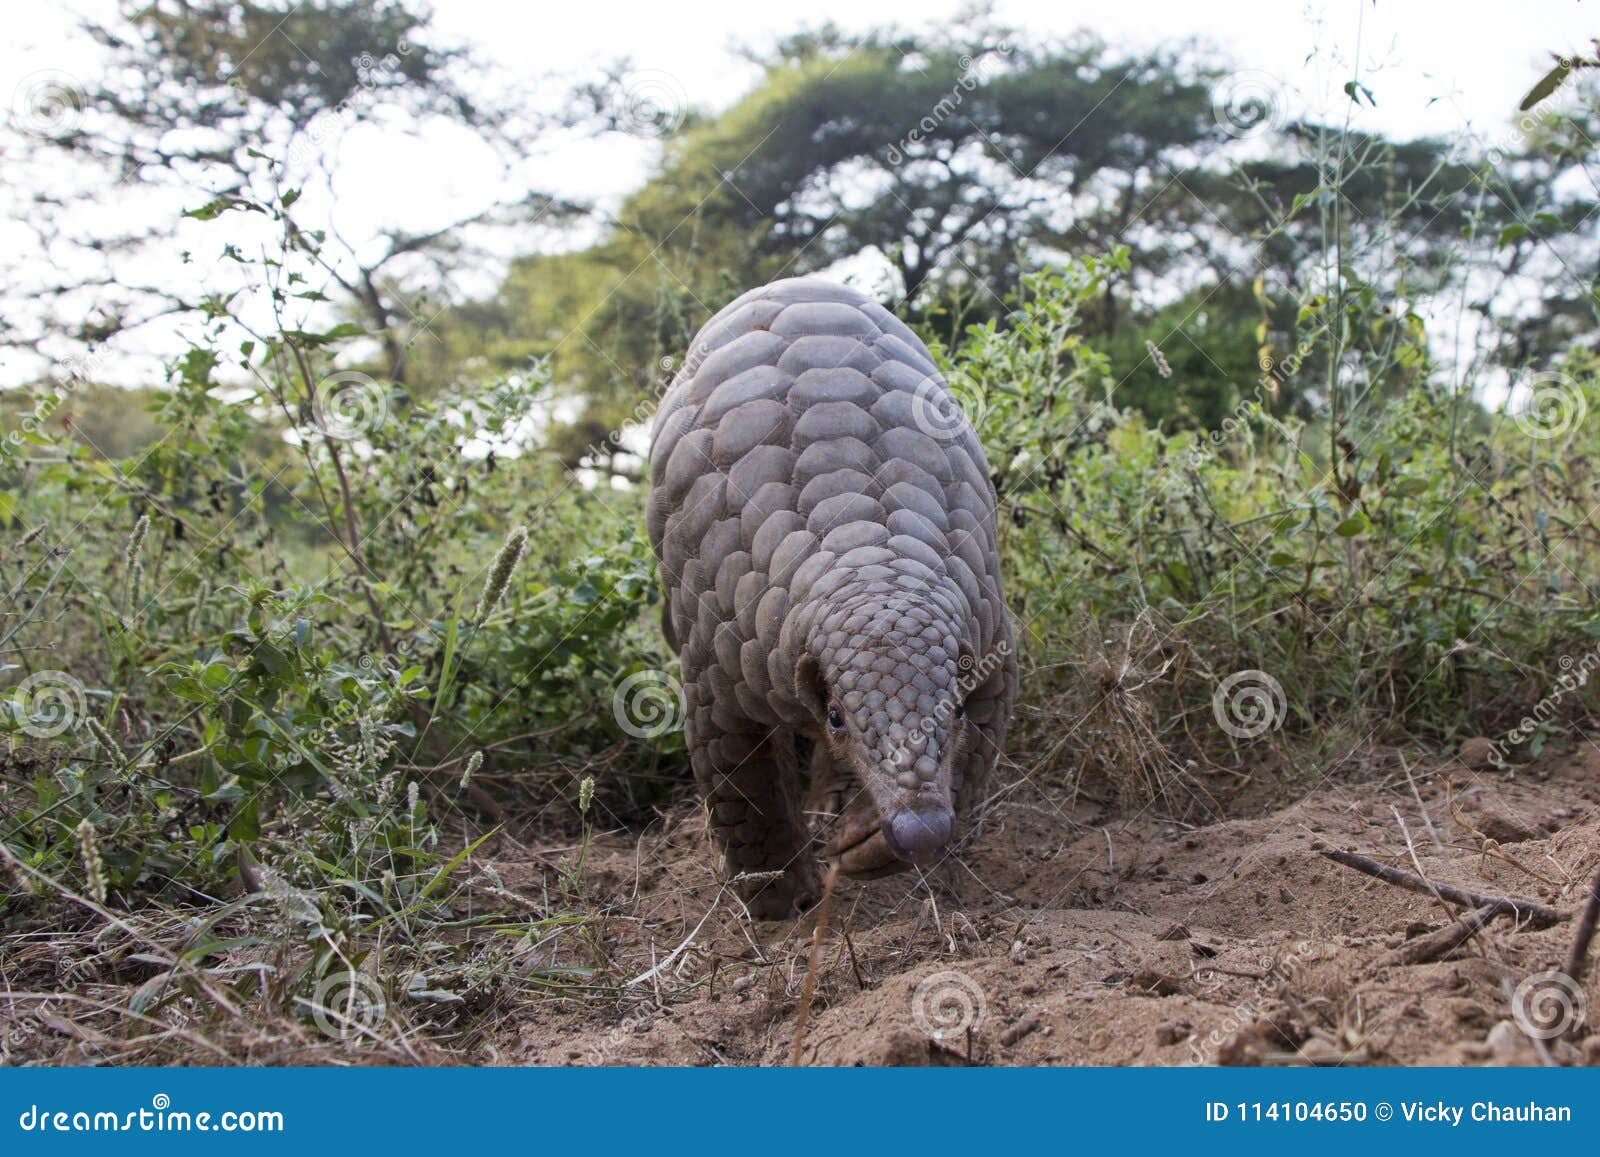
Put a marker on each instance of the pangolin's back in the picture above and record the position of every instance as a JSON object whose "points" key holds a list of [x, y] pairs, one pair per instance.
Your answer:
{"points": [[809, 432]]}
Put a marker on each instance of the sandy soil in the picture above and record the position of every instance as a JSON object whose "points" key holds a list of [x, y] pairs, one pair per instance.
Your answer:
{"points": [[1073, 936], [1064, 934]]}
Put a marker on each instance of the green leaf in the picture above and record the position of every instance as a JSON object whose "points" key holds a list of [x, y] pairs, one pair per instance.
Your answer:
{"points": [[214, 209], [245, 823], [1512, 232], [158, 985], [1355, 525], [1547, 84]]}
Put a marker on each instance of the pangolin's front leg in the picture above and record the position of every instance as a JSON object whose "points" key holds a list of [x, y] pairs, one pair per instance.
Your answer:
{"points": [[750, 783]]}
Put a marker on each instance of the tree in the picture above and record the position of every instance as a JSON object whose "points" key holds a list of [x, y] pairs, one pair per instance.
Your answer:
{"points": [[950, 156], [203, 105]]}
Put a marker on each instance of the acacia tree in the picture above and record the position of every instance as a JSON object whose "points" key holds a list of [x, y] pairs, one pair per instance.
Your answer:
{"points": [[201, 106], [949, 155], [942, 153]]}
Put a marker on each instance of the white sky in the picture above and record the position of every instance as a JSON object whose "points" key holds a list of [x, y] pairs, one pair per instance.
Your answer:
{"points": [[1434, 68]]}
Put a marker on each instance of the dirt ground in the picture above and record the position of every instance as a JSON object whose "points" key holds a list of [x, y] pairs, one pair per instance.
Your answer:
{"points": [[1064, 936]]}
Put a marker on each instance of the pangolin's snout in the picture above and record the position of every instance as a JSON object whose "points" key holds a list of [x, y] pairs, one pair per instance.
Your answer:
{"points": [[919, 837]]}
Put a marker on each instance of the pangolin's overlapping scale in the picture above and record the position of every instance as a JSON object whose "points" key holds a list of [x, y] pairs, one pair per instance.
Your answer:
{"points": [[806, 396]]}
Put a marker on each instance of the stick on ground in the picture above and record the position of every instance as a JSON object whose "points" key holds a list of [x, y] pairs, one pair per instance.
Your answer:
{"points": [[1528, 913], [1578, 962], [1443, 941], [808, 990]]}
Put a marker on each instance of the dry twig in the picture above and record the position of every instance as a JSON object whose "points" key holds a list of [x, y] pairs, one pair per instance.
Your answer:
{"points": [[1528, 913], [808, 990]]}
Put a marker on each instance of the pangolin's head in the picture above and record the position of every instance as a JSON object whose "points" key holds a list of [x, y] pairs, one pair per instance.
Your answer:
{"points": [[884, 676]]}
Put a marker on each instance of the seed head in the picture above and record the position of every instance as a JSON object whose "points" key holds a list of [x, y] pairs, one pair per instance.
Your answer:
{"points": [[94, 868], [500, 572]]}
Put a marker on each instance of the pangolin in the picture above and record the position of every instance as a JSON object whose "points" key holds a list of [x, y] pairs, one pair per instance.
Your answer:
{"points": [[824, 525]]}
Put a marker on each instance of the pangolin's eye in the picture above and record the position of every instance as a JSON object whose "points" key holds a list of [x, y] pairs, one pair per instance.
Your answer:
{"points": [[961, 710], [835, 720]]}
